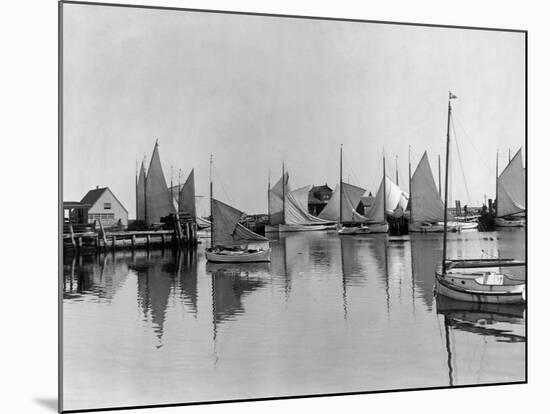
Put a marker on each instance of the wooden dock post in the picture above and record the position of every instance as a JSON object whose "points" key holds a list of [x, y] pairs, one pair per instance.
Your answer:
{"points": [[73, 242], [113, 240], [133, 241], [162, 240], [103, 234], [148, 240]]}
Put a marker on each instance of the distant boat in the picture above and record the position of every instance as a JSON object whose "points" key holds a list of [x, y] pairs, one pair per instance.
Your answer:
{"points": [[510, 185], [427, 210], [230, 239], [341, 207], [462, 279], [390, 200], [287, 209]]}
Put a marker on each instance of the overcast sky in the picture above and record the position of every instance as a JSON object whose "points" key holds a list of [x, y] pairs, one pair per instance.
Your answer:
{"points": [[255, 91]]}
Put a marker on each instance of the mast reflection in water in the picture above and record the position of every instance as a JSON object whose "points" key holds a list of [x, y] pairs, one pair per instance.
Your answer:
{"points": [[329, 314]]}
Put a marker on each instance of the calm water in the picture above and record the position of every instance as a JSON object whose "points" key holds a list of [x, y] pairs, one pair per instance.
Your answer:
{"points": [[329, 314]]}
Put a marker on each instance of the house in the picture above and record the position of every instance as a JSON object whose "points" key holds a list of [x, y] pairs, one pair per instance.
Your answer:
{"points": [[105, 206], [365, 204], [318, 199]]}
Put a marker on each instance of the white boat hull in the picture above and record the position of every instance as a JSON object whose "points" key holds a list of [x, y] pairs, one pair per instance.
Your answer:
{"points": [[478, 287], [289, 228], [350, 231], [432, 227], [238, 256], [502, 222]]}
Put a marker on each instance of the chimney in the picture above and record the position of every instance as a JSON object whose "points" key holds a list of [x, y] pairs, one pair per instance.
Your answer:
{"points": [[97, 187]]}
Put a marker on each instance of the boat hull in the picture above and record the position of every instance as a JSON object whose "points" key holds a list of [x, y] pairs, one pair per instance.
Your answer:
{"points": [[432, 227], [351, 231], [240, 256], [289, 228], [378, 228], [466, 287], [502, 222]]}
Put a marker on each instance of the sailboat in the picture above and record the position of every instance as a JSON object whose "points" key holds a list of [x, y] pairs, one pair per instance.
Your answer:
{"points": [[229, 238], [469, 282], [287, 209], [341, 207], [153, 199], [389, 200], [427, 210], [511, 193]]}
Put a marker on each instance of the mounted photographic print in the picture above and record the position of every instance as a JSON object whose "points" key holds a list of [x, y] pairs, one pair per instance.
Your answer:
{"points": [[262, 206]]}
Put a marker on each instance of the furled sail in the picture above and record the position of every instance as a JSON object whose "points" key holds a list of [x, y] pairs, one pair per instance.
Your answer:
{"points": [[158, 199], [227, 229], [140, 194], [511, 187], [396, 202], [186, 202], [426, 203], [351, 196]]}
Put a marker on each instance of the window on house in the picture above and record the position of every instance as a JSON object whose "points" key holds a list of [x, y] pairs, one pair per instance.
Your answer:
{"points": [[106, 206]]}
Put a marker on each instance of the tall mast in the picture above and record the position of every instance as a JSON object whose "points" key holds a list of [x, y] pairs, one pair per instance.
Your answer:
{"points": [[340, 217], [212, 244], [137, 215], [145, 191], [268, 197], [496, 187], [509, 155], [410, 188], [179, 189], [384, 183], [396, 171], [439, 169], [284, 193], [451, 96]]}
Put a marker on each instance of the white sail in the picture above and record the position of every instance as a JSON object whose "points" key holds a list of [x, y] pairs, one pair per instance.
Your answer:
{"points": [[351, 196], [295, 205], [396, 202], [186, 202], [276, 202], [140, 194], [511, 187], [158, 200], [426, 203], [227, 229]]}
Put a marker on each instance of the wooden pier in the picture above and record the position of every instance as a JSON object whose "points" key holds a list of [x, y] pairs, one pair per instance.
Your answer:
{"points": [[93, 239]]}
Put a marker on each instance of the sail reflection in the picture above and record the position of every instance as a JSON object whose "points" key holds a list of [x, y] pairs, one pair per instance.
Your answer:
{"points": [[231, 283]]}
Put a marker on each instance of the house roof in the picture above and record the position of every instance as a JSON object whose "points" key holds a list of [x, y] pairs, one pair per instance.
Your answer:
{"points": [[92, 196], [323, 187]]}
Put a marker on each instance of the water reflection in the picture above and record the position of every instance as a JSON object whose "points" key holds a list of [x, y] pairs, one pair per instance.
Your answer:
{"points": [[328, 314], [500, 323]]}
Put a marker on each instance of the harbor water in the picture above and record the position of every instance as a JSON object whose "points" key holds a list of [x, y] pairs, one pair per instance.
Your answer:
{"points": [[329, 314]]}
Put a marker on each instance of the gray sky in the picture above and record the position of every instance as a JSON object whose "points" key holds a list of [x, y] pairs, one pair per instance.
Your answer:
{"points": [[255, 91]]}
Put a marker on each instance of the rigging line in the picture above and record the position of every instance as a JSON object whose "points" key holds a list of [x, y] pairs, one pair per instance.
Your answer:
{"points": [[490, 169], [220, 181], [348, 166], [461, 164]]}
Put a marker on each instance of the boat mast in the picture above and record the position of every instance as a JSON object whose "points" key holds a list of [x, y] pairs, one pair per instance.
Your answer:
{"points": [[212, 244], [439, 169], [137, 215], [410, 188], [284, 192], [268, 197], [340, 217], [496, 187], [451, 96], [384, 184], [396, 171]]}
